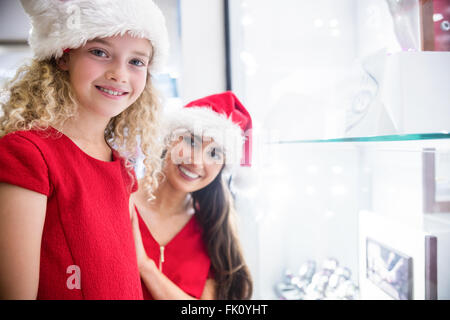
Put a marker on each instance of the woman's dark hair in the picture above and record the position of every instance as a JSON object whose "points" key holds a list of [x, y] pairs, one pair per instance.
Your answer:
{"points": [[215, 213]]}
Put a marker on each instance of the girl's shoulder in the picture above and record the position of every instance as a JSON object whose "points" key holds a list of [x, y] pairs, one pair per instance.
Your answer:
{"points": [[23, 141], [37, 137], [47, 146], [23, 163]]}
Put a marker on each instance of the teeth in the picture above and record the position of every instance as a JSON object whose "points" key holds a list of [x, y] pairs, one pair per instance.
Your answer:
{"points": [[114, 93], [188, 173]]}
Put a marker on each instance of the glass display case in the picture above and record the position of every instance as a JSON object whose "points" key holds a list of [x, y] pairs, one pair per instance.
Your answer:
{"points": [[350, 186], [350, 218]]}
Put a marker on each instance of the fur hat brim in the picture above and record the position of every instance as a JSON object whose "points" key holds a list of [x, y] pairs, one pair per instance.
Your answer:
{"points": [[58, 25]]}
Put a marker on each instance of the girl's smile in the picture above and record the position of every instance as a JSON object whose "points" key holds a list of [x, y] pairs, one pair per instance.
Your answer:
{"points": [[111, 92]]}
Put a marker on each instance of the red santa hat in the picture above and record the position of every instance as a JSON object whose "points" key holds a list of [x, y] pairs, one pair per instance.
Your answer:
{"points": [[59, 25], [221, 117]]}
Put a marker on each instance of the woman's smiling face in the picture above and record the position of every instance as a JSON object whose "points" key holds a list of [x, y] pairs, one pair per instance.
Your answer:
{"points": [[192, 163], [108, 74]]}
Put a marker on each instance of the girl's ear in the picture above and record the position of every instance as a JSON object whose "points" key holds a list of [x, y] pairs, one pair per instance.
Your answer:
{"points": [[63, 62]]}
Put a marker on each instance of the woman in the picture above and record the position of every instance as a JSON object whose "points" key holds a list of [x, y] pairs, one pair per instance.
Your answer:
{"points": [[186, 243]]}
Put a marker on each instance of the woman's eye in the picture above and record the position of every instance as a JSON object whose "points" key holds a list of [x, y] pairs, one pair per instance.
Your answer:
{"points": [[215, 154], [189, 140], [137, 63], [98, 53]]}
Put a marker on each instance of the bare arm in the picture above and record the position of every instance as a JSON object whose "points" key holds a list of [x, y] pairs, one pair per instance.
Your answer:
{"points": [[209, 292], [22, 216], [161, 287]]}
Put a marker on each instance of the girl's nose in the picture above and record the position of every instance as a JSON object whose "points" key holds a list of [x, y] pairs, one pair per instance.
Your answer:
{"points": [[116, 73]]}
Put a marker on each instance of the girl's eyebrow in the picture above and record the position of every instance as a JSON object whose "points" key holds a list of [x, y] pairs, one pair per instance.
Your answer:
{"points": [[102, 41], [107, 43], [142, 54]]}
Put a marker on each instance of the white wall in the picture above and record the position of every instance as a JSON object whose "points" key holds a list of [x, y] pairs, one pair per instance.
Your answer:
{"points": [[14, 23], [203, 48], [171, 13]]}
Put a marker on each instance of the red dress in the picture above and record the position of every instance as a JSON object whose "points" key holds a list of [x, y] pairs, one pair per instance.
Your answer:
{"points": [[184, 260], [87, 223]]}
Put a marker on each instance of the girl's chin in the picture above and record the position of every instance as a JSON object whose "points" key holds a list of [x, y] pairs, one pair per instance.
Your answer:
{"points": [[110, 112], [104, 110]]}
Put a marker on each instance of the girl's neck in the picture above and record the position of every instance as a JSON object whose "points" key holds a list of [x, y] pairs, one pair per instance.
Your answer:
{"points": [[87, 129], [88, 133]]}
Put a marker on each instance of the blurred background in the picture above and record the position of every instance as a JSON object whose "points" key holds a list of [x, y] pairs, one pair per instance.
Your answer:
{"points": [[348, 196]]}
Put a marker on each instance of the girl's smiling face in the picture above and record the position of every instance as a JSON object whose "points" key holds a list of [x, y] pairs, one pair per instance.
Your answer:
{"points": [[108, 74], [192, 163]]}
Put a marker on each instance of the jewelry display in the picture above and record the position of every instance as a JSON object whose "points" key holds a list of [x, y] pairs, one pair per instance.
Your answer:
{"points": [[330, 282]]}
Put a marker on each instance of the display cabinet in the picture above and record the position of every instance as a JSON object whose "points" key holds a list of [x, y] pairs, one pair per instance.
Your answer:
{"points": [[349, 192], [350, 218]]}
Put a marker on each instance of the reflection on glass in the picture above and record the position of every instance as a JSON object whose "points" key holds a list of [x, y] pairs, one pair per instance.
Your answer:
{"points": [[406, 19], [390, 270]]}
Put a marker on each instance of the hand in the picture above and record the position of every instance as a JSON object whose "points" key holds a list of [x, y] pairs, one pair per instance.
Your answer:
{"points": [[142, 259]]}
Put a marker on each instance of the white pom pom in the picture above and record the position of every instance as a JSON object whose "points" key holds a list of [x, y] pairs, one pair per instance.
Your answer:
{"points": [[245, 181]]}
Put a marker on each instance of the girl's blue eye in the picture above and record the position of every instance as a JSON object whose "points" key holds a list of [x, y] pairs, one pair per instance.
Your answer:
{"points": [[137, 63], [98, 53]]}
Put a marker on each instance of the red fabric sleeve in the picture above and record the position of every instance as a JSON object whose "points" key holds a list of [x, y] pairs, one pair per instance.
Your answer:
{"points": [[22, 164]]}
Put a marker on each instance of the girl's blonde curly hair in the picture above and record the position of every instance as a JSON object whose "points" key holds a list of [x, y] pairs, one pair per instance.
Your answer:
{"points": [[40, 95]]}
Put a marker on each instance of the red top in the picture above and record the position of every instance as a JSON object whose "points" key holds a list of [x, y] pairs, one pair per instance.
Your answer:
{"points": [[87, 223], [185, 258]]}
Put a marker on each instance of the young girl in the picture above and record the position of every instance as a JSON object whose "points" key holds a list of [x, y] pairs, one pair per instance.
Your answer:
{"points": [[65, 231], [186, 243]]}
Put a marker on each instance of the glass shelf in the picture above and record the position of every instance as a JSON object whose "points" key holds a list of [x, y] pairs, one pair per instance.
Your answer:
{"points": [[396, 137]]}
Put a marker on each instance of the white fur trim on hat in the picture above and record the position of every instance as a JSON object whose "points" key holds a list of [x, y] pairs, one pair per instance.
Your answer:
{"points": [[69, 24], [205, 122]]}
